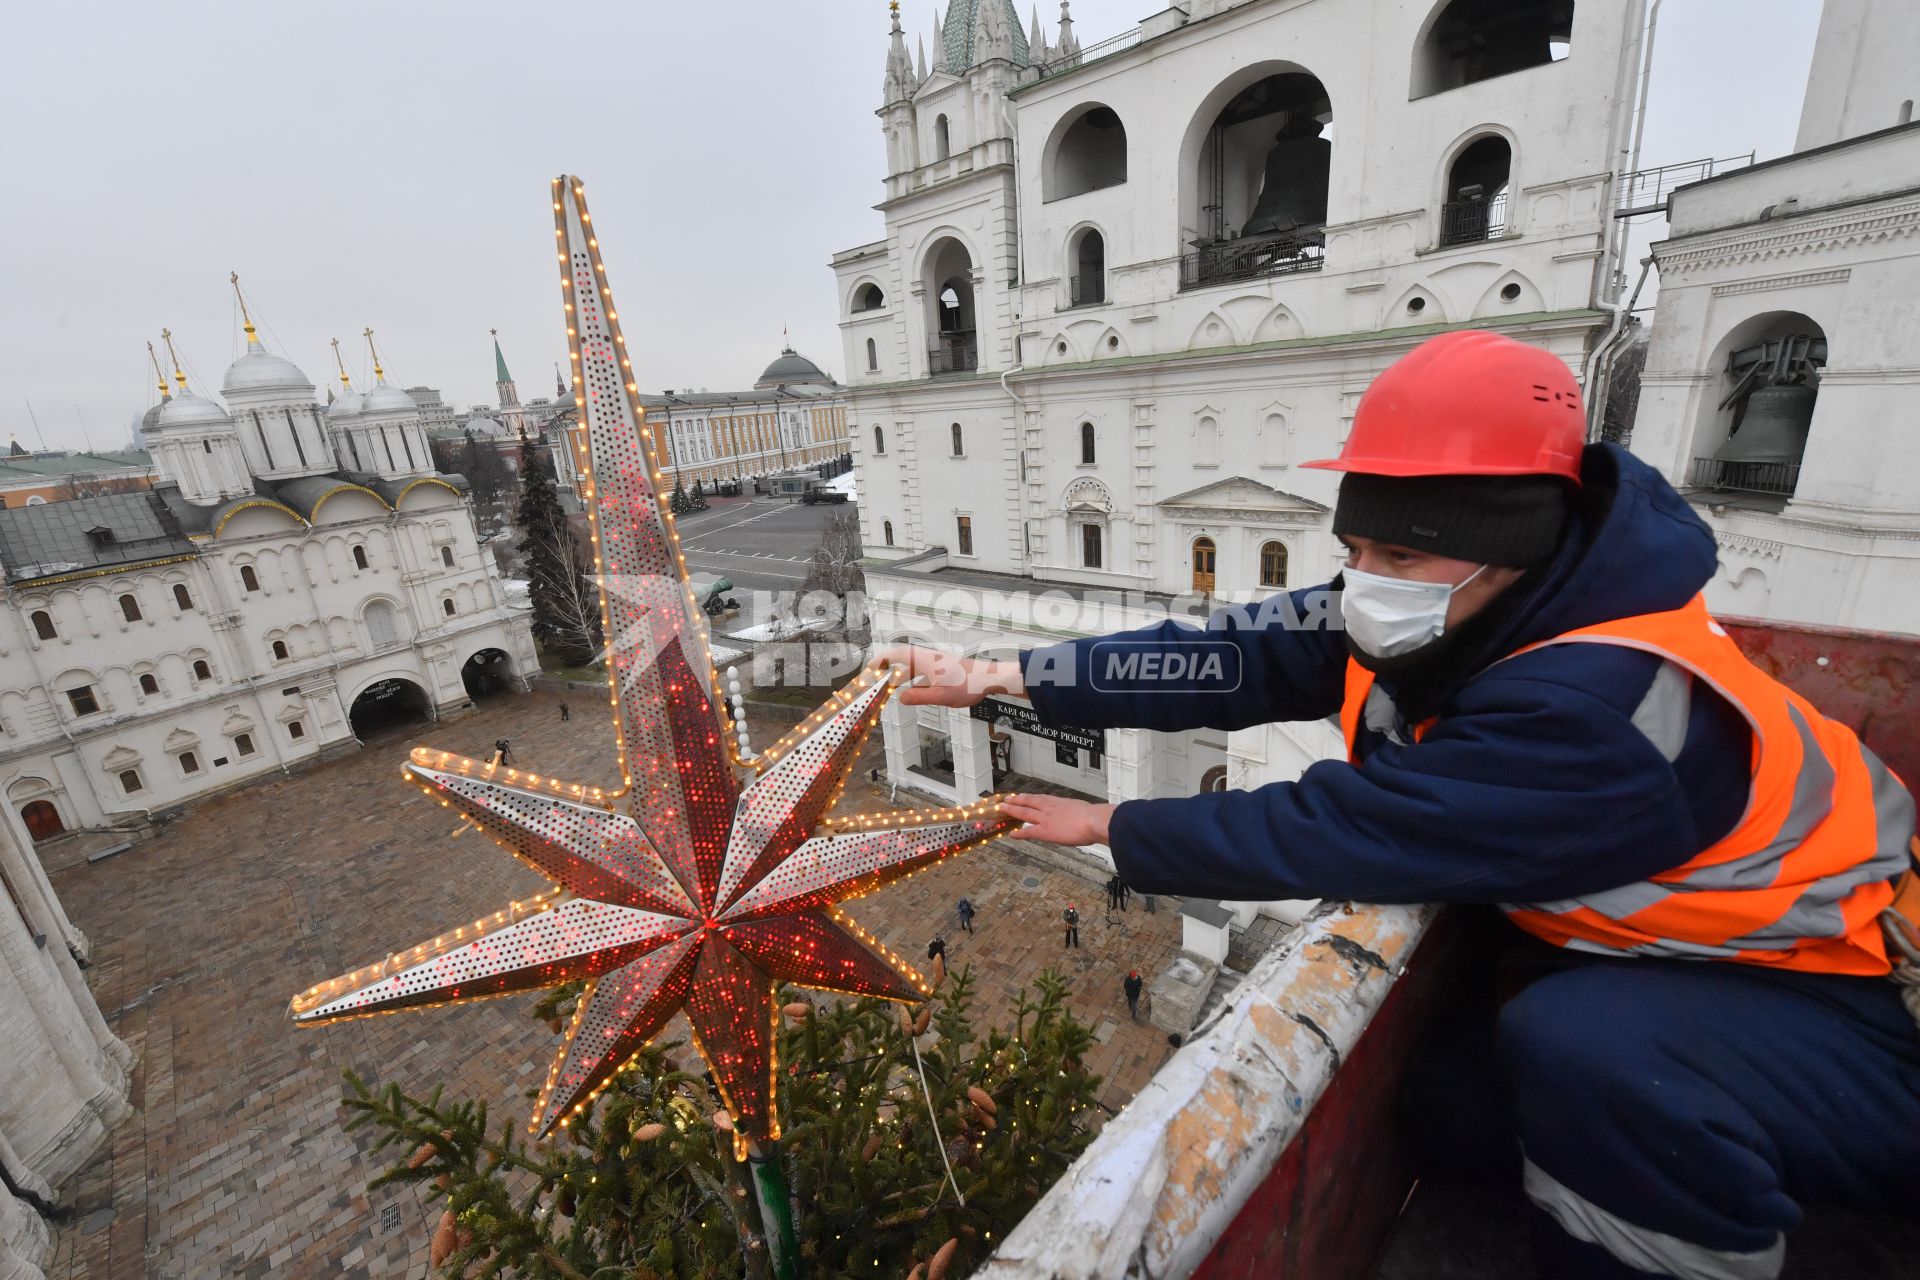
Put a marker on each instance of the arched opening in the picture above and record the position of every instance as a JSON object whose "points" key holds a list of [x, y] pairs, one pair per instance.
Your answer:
{"points": [[879, 439], [149, 685], [1087, 443], [1091, 153], [359, 557], [201, 671], [130, 608], [181, 599], [1087, 284], [1273, 564], [446, 607], [248, 578], [486, 673], [280, 653], [1258, 171], [950, 277], [1760, 409], [959, 440], [1475, 207], [873, 356], [43, 625], [942, 138], [1214, 779], [886, 528], [1204, 556], [446, 556], [388, 705], [1092, 546], [42, 819], [868, 297], [1474, 40], [382, 631]]}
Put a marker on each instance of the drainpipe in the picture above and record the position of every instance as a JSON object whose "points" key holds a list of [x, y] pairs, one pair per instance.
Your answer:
{"points": [[1018, 365], [1616, 238], [1609, 353]]}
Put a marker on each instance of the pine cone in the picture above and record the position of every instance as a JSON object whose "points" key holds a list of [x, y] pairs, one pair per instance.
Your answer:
{"points": [[981, 1120], [925, 1020], [872, 1148], [722, 1121], [919, 1269], [937, 1269], [799, 1010], [553, 1025], [648, 1132], [939, 970], [444, 1181], [906, 1021], [444, 1238], [563, 1203], [421, 1154], [982, 1099]]}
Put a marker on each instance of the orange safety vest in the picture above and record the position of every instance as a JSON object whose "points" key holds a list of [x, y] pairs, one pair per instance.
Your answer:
{"points": [[1800, 881]]}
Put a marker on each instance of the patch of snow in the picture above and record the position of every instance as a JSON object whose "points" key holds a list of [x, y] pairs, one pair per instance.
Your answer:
{"points": [[519, 592], [782, 630], [844, 484], [722, 655]]}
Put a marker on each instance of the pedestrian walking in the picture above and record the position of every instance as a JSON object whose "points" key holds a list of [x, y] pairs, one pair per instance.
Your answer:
{"points": [[1113, 893], [964, 909], [1126, 892], [937, 949], [501, 753], [1132, 985], [1071, 918], [566, 712]]}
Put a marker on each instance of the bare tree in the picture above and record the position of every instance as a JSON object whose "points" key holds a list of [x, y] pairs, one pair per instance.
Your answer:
{"points": [[91, 484], [833, 594]]}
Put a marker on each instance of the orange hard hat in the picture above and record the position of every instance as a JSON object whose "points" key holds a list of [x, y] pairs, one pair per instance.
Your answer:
{"points": [[1469, 403]]}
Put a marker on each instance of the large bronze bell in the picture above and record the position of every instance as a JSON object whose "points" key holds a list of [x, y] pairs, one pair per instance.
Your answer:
{"points": [[1773, 427], [1293, 195]]}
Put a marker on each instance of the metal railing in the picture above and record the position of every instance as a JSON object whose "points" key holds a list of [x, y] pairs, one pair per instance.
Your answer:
{"points": [[1250, 260], [1471, 221], [1744, 477], [1089, 53], [1647, 190], [953, 357], [1089, 290]]}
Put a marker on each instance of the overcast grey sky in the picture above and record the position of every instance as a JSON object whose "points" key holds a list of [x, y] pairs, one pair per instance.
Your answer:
{"points": [[387, 165]]}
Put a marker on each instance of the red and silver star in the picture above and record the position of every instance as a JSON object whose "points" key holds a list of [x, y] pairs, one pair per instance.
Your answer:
{"points": [[709, 889]]}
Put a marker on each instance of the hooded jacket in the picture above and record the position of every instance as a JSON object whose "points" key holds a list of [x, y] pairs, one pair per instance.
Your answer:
{"points": [[1534, 783]]}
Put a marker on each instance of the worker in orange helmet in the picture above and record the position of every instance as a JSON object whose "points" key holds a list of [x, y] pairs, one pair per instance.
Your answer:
{"points": [[1711, 880]]}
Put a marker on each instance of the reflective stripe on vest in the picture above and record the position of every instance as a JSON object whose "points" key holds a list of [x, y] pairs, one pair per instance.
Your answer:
{"points": [[1800, 880]]}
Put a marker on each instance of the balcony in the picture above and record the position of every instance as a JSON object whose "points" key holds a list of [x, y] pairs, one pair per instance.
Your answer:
{"points": [[1087, 290], [956, 353], [1471, 221], [1250, 260], [1778, 478]]}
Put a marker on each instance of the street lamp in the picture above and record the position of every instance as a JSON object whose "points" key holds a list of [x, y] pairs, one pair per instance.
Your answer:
{"points": [[673, 457]]}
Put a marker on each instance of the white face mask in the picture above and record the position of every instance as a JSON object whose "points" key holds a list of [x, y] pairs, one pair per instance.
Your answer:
{"points": [[1387, 617]]}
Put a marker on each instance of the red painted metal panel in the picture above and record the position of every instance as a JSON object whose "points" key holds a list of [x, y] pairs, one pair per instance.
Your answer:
{"points": [[1326, 1208], [1864, 679]]}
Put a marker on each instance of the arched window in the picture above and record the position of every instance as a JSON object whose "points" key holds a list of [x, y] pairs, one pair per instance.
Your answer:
{"points": [[1091, 154], [446, 556], [949, 281], [1273, 564], [381, 631], [446, 607], [181, 599], [149, 685], [1088, 284], [129, 780], [1255, 173], [886, 527], [1476, 205], [879, 439], [963, 527], [942, 139], [189, 763], [1203, 565], [359, 557], [1757, 417], [1474, 40], [248, 578], [280, 651], [1087, 453], [873, 356], [868, 297], [129, 608], [959, 441], [201, 671], [243, 744], [43, 625], [296, 730], [1214, 779]]}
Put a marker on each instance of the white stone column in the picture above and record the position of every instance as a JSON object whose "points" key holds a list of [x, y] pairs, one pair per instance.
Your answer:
{"points": [[44, 915], [972, 755], [25, 1241], [1126, 765]]}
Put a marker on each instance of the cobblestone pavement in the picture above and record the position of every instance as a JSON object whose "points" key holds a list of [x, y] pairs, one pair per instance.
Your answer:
{"points": [[236, 1163]]}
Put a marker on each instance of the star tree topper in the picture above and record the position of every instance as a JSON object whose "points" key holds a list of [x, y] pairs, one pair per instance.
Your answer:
{"points": [[722, 876]]}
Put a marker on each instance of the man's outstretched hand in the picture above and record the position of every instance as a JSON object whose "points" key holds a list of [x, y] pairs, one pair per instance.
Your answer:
{"points": [[936, 678], [1058, 820]]}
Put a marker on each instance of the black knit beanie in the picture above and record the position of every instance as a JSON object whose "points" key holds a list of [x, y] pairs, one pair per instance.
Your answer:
{"points": [[1511, 521]]}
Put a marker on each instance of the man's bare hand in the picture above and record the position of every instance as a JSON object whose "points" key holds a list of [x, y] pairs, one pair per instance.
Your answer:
{"points": [[1058, 820], [937, 678]]}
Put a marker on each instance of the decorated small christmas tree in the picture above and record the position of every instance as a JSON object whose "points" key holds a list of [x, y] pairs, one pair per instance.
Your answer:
{"points": [[679, 503], [882, 1176]]}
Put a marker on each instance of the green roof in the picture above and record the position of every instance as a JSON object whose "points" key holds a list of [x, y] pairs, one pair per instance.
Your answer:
{"points": [[962, 16], [500, 373], [18, 467]]}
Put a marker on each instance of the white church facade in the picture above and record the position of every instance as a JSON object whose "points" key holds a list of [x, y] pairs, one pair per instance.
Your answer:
{"points": [[1126, 288], [296, 567]]}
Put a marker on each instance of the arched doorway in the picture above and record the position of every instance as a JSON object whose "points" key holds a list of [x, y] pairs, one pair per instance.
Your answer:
{"points": [[1204, 556], [1214, 779], [955, 344], [42, 819], [388, 705], [486, 673], [1475, 207]]}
